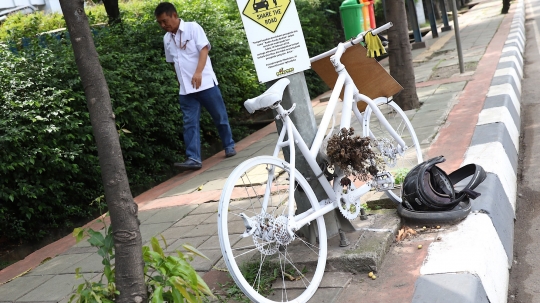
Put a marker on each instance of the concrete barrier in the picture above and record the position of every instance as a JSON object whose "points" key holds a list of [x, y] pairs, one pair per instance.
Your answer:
{"points": [[471, 263]]}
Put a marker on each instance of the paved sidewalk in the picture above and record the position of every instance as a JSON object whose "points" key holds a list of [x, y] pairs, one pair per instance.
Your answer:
{"points": [[184, 208]]}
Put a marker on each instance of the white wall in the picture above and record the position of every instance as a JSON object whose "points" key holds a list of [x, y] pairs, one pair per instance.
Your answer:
{"points": [[44, 5], [37, 2], [420, 12], [4, 4], [53, 6]]}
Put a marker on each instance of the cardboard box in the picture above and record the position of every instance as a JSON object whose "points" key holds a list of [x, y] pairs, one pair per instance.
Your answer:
{"points": [[370, 77]]}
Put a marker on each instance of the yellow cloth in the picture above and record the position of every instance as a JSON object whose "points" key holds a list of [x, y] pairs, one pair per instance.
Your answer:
{"points": [[374, 45]]}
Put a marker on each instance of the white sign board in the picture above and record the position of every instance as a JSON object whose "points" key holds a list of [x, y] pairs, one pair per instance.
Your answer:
{"points": [[275, 37]]}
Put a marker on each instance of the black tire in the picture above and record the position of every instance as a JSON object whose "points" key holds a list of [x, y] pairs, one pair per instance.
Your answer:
{"points": [[458, 213]]}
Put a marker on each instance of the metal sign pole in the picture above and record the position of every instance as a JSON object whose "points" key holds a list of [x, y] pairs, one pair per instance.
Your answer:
{"points": [[304, 119], [279, 50], [458, 39]]}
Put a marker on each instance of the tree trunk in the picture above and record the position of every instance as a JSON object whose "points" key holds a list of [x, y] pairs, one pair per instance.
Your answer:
{"points": [[505, 7], [113, 12], [123, 210], [400, 56]]}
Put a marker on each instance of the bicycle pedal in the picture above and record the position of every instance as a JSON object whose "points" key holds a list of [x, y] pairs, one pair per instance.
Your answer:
{"points": [[383, 181]]}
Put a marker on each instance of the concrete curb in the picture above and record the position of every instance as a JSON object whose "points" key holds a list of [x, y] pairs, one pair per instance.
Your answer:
{"points": [[471, 263]]}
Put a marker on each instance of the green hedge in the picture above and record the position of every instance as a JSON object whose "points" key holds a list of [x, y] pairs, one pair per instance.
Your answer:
{"points": [[49, 169], [48, 163]]}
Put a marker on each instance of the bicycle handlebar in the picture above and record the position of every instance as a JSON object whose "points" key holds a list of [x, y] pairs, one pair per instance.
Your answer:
{"points": [[351, 42], [382, 28]]}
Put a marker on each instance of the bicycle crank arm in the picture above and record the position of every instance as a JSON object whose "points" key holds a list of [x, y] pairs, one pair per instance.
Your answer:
{"points": [[354, 195]]}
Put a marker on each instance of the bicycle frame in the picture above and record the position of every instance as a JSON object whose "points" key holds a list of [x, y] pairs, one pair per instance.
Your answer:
{"points": [[271, 223], [351, 97]]}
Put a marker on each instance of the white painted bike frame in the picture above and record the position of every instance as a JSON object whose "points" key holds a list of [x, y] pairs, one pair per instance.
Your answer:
{"points": [[350, 98]]}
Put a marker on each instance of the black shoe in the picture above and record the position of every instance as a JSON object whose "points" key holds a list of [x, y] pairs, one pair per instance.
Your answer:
{"points": [[230, 152], [189, 165]]}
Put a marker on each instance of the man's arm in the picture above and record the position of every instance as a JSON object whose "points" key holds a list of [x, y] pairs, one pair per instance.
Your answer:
{"points": [[197, 76], [174, 69]]}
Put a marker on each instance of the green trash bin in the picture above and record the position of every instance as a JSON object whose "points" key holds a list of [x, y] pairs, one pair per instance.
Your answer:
{"points": [[352, 18]]}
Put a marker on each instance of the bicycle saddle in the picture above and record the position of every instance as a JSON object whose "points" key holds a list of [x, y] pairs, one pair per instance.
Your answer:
{"points": [[270, 97]]}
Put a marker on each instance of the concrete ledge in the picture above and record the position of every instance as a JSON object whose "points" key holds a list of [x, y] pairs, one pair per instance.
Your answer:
{"points": [[517, 43], [367, 248], [516, 29], [508, 75], [501, 114], [505, 89], [516, 22], [498, 132], [506, 102], [519, 21], [517, 32], [471, 262], [512, 54], [508, 48], [510, 64], [450, 288], [369, 244], [492, 157], [495, 204], [472, 246]]}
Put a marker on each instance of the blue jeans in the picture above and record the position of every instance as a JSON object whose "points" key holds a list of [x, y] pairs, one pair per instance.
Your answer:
{"points": [[190, 104]]}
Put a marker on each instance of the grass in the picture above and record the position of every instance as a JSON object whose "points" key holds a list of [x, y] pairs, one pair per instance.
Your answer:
{"points": [[368, 208], [400, 174]]}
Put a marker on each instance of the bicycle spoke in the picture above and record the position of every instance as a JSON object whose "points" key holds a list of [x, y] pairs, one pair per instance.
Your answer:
{"points": [[398, 162], [263, 257], [254, 191], [303, 277], [282, 267], [239, 255], [244, 247], [270, 224], [309, 245]]}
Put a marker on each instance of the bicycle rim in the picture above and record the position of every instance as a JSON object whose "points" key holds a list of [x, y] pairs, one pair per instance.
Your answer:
{"points": [[401, 164], [269, 267]]}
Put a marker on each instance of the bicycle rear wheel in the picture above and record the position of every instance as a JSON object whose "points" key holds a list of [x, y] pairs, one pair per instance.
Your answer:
{"points": [[269, 265], [397, 164]]}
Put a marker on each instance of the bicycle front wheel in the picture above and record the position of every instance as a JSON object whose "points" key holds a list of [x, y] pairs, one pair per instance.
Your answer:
{"points": [[398, 164], [268, 263]]}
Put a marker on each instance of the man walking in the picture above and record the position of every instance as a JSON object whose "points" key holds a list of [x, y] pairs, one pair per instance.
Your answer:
{"points": [[186, 48]]}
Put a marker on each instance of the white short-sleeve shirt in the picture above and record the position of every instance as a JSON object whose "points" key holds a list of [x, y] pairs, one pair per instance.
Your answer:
{"points": [[183, 50]]}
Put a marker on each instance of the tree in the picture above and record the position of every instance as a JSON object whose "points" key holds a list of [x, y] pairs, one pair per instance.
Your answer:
{"points": [[505, 7], [122, 208], [113, 12], [400, 56], [112, 9]]}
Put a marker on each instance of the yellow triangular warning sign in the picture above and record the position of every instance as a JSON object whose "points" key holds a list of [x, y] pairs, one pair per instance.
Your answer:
{"points": [[267, 13]]}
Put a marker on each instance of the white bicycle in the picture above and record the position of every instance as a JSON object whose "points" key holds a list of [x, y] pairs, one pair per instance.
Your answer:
{"points": [[262, 228]]}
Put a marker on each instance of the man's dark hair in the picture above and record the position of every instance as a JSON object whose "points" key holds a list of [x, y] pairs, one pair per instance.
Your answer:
{"points": [[165, 7]]}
